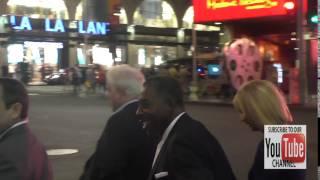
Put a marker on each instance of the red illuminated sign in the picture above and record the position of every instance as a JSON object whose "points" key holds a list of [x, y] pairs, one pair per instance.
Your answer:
{"points": [[223, 10]]}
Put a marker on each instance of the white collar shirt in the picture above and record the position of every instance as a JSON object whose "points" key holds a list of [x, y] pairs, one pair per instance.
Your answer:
{"points": [[124, 105], [165, 136], [12, 127]]}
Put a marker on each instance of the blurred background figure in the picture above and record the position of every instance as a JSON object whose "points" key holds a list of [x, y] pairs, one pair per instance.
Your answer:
{"points": [[76, 79], [90, 81], [173, 72], [184, 79], [260, 103], [101, 79]]}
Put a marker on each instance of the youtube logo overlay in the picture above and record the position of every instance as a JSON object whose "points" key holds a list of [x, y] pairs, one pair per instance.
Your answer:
{"points": [[285, 147]]}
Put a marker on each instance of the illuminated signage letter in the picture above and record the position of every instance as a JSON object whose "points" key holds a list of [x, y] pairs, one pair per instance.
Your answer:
{"points": [[57, 27], [47, 25], [13, 20], [95, 28], [25, 23], [80, 27], [91, 28], [101, 28]]}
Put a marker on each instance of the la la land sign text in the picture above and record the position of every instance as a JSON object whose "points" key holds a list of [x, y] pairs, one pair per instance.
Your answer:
{"points": [[57, 25]]}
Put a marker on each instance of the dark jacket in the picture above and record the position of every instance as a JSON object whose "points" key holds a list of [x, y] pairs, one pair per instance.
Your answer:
{"points": [[123, 152], [258, 172], [191, 153], [22, 156]]}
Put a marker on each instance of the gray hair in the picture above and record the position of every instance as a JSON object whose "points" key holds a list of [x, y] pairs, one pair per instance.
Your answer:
{"points": [[127, 79]]}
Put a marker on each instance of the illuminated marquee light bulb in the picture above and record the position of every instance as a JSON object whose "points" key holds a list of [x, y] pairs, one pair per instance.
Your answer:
{"points": [[288, 5]]}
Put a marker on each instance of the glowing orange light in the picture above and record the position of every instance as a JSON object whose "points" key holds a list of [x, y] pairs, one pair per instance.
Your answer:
{"points": [[289, 5]]}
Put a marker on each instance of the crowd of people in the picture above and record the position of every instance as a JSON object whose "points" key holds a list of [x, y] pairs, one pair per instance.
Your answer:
{"points": [[90, 80], [149, 135], [218, 86], [182, 73]]}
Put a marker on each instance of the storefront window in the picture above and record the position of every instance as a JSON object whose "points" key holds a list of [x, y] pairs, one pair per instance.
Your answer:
{"points": [[79, 12], [15, 53], [148, 55], [119, 54], [155, 13], [188, 18], [37, 56], [141, 56], [55, 9], [123, 16], [81, 56], [100, 54]]}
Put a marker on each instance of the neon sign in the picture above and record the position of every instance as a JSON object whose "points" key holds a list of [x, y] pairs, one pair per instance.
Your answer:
{"points": [[226, 10], [96, 28], [214, 4], [247, 4], [57, 25], [23, 25], [258, 4]]}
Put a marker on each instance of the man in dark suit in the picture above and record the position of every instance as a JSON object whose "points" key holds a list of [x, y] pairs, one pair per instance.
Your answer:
{"points": [[186, 150], [123, 152], [22, 156]]}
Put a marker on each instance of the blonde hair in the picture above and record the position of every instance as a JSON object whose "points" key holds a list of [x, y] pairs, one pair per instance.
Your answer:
{"points": [[126, 78], [263, 103]]}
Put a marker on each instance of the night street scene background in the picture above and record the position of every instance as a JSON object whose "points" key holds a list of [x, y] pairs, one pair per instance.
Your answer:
{"points": [[63, 121], [61, 50]]}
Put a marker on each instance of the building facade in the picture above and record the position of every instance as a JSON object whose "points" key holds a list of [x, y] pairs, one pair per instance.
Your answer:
{"points": [[63, 33], [283, 33], [142, 33]]}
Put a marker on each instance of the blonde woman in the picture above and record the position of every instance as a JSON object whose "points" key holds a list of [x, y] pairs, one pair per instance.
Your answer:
{"points": [[260, 103]]}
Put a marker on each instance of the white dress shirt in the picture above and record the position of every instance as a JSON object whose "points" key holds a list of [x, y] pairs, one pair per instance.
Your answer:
{"points": [[12, 127], [124, 105], [165, 136]]}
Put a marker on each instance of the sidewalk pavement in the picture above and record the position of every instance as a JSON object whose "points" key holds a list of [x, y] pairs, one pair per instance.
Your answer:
{"points": [[46, 89], [310, 105], [68, 90], [61, 90]]}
